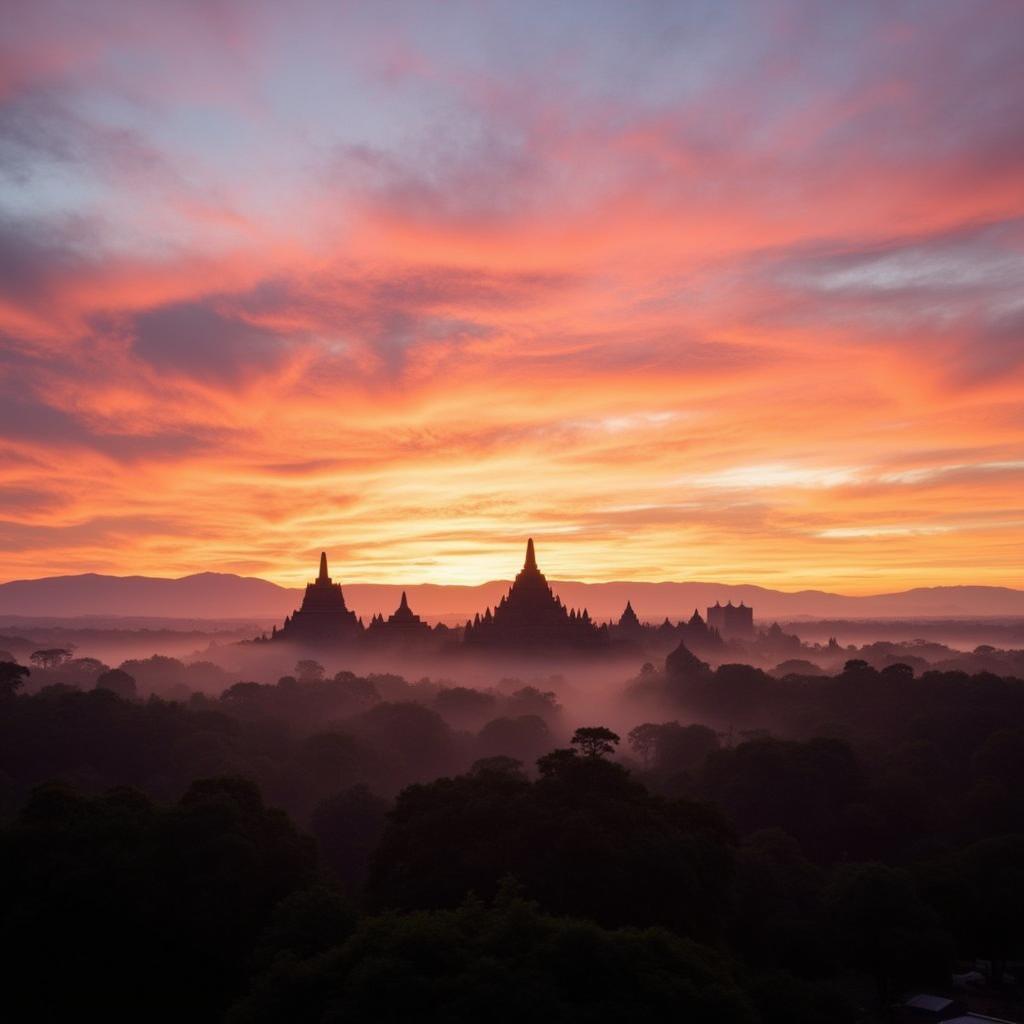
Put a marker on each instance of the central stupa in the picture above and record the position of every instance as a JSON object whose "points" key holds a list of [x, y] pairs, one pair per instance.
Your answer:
{"points": [[531, 616]]}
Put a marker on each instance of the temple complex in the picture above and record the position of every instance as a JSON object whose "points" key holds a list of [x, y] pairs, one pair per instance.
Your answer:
{"points": [[531, 617], [324, 618]]}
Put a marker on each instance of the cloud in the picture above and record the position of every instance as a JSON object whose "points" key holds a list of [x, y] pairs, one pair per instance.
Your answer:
{"points": [[199, 341], [728, 291]]}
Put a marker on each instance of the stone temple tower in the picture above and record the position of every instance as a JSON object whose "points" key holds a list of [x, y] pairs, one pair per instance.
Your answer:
{"points": [[324, 618], [531, 617]]}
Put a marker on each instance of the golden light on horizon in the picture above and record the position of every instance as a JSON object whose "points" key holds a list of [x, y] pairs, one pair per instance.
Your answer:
{"points": [[673, 336]]}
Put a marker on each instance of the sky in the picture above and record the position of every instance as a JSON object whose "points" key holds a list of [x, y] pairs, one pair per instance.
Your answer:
{"points": [[686, 291]]}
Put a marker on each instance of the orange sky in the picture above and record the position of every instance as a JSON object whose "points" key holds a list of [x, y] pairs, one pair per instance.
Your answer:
{"points": [[725, 292]]}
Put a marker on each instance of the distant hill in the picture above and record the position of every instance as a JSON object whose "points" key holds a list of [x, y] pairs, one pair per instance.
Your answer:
{"points": [[225, 596]]}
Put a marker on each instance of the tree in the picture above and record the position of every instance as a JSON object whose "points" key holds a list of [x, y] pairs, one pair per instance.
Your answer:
{"points": [[500, 765], [804, 788], [417, 739], [348, 827], [584, 839], [671, 747], [898, 672], [117, 681], [305, 924], [464, 706], [50, 657], [885, 929], [81, 672], [857, 666], [529, 700], [644, 740], [504, 962], [685, 747], [12, 675], [989, 900], [777, 906], [309, 671], [135, 899], [557, 762], [595, 741]]}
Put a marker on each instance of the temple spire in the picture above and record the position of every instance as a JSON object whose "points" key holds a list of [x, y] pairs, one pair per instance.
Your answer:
{"points": [[531, 558], [323, 577], [405, 602]]}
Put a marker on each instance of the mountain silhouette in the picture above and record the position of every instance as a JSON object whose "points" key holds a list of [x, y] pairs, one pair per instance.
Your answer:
{"points": [[227, 596]]}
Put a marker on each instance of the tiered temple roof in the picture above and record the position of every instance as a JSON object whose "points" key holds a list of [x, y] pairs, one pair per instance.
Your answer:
{"points": [[324, 618], [628, 622], [530, 616], [403, 626]]}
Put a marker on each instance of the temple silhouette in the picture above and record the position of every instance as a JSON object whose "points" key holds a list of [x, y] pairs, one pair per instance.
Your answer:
{"points": [[732, 620], [530, 616], [694, 632], [403, 627], [323, 618]]}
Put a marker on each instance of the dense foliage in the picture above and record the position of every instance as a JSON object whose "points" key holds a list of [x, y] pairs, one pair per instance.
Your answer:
{"points": [[758, 849]]}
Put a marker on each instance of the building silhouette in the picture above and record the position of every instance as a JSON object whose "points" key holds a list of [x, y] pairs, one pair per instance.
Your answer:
{"points": [[694, 632], [403, 627], [323, 618], [699, 635], [531, 617], [731, 621], [629, 625]]}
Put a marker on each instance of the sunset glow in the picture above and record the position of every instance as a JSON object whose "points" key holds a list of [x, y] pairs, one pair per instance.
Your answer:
{"points": [[702, 291]]}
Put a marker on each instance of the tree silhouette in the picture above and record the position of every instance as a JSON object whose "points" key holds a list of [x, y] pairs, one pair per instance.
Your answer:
{"points": [[644, 740], [12, 676], [503, 962], [309, 670], [50, 657], [118, 681], [595, 741]]}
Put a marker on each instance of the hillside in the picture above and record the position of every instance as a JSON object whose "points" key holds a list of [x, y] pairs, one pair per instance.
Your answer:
{"points": [[226, 596]]}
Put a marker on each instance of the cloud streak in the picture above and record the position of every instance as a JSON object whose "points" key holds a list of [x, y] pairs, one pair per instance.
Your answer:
{"points": [[727, 291]]}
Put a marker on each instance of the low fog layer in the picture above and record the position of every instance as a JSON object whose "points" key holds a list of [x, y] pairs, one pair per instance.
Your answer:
{"points": [[255, 828]]}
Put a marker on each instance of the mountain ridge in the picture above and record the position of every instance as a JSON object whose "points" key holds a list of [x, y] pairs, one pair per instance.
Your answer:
{"points": [[227, 595]]}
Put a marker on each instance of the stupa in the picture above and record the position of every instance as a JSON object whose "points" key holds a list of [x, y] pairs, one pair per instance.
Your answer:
{"points": [[402, 627], [530, 616], [629, 624], [323, 618]]}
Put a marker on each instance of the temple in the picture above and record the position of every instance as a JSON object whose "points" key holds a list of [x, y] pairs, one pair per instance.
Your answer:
{"points": [[324, 618], [403, 627], [694, 632], [732, 620], [531, 617], [629, 625]]}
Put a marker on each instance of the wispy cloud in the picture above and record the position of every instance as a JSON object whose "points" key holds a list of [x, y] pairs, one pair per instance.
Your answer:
{"points": [[728, 291]]}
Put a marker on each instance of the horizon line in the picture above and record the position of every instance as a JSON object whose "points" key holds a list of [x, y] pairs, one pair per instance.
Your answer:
{"points": [[503, 581]]}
